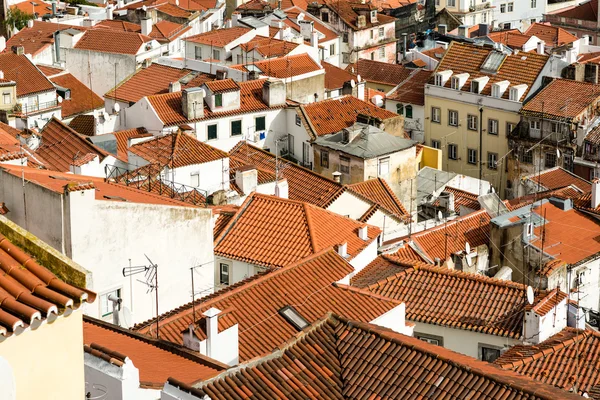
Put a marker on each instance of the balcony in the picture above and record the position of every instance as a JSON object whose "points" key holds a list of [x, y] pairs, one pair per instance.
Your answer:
{"points": [[26, 109]]}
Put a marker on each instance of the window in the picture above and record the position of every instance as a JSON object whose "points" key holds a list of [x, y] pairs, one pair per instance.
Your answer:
{"points": [[431, 339], [259, 123], [236, 127], [526, 156], [292, 316], [290, 144], [438, 80], [372, 55], [224, 274], [452, 118], [298, 120], [533, 21], [488, 354], [218, 100], [6, 98], [485, 18], [510, 126], [211, 131], [325, 16], [372, 33], [451, 3], [492, 160], [195, 179], [550, 160], [474, 87], [437, 3], [568, 162], [493, 126], [382, 52], [580, 278], [506, 25], [455, 83], [553, 127], [400, 109], [496, 91], [510, 7], [533, 3], [324, 159], [217, 54], [331, 49], [106, 306], [344, 165], [435, 144], [383, 167], [436, 115], [472, 124], [502, 8], [305, 153], [534, 124], [381, 32], [409, 111], [198, 53], [472, 156], [345, 37], [346, 58], [452, 152]]}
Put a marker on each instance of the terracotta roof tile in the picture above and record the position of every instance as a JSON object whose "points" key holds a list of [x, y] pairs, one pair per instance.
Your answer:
{"points": [[349, 12], [156, 360], [38, 7], [335, 77], [378, 191], [61, 145], [30, 293], [284, 67], [174, 10], [223, 86], [381, 268], [189, 5], [511, 38], [119, 25], [557, 177], [269, 47], [84, 124], [566, 359], [255, 303], [122, 138], [289, 231], [167, 31], [518, 69], [329, 116], [552, 35], [22, 71], [562, 99], [586, 11], [380, 72], [50, 71], [112, 41], [340, 358], [318, 25], [82, 98], [219, 37], [38, 38], [462, 300], [9, 129], [412, 90], [436, 52], [176, 150], [462, 198], [222, 220], [155, 80], [11, 148]]}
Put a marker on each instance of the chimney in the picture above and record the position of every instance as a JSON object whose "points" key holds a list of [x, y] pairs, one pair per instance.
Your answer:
{"points": [[404, 42], [212, 330], [282, 189], [484, 30], [109, 12], [363, 232], [174, 87], [88, 23], [306, 28], [18, 50], [246, 178], [192, 103], [540, 47], [446, 200], [1, 74], [2, 43], [342, 249], [361, 21], [337, 176], [120, 3], [146, 24], [273, 92], [442, 29], [235, 17], [53, 9], [30, 22], [314, 39], [57, 46], [595, 193], [462, 31]]}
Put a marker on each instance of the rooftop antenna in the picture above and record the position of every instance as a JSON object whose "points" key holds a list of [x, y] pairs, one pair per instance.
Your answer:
{"points": [[151, 281]]}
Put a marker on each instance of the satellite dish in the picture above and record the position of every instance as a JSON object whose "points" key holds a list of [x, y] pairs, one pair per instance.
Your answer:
{"points": [[116, 108], [530, 295], [377, 100], [557, 153], [440, 216], [352, 83], [358, 78], [125, 318], [467, 248]]}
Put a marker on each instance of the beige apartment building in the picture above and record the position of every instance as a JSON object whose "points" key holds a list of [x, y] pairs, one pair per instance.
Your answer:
{"points": [[478, 90]]}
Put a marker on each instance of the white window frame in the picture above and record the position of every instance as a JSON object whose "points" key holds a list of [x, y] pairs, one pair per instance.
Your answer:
{"points": [[452, 117], [472, 122], [198, 52], [381, 32], [510, 7], [502, 8], [383, 167], [534, 124], [382, 52], [6, 98], [435, 144], [227, 273], [493, 125], [195, 179], [492, 160], [439, 80], [455, 83], [436, 115], [533, 3], [452, 151], [472, 156]]}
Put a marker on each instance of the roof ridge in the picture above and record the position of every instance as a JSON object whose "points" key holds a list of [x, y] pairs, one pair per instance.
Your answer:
{"points": [[234, 219], [309, 223], [366, 292]]}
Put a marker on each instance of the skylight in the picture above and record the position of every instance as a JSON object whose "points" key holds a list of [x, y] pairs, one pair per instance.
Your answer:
{"points": [[253, 68], [493, 62], [293, 317]]}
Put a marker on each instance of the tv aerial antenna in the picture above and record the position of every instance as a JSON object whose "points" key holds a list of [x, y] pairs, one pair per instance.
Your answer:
{"points": [[150, 280]]}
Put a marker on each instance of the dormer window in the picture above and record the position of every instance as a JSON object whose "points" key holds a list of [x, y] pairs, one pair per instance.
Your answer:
{"points": [[516, 92], [475, 87], [345, 137], [438, 80], [455, 83], [442, 77], [496, 91], [218, 100], [499, 88]]}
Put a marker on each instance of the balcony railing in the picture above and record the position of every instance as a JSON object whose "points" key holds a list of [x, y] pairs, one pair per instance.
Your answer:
{"points": [[32, 108]]}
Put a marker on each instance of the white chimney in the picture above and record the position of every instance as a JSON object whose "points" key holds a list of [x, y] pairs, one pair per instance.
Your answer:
{"points": [[572, 55], [109, 12], [337, 176], [235, 17], [246, 178], [174, 87], [88, 23], [540, 47], [282, 189], [212, 331], [30, 24], [1, 74], [342, 249], [363, 233], [146, 24], [2, 43], [595, 193], [273, 92], [314, 39]]}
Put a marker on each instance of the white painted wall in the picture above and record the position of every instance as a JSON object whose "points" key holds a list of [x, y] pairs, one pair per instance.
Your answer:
{"points": [[589, 291], [539, 328], [395, 319], [8, 389]]}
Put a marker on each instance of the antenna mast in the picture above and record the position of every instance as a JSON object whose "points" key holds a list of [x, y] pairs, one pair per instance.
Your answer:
{"points": [[151, 274]]}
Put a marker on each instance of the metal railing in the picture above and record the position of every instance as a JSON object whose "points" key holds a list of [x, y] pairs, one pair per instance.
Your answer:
{"points": [[149, 179], [30, 108]]}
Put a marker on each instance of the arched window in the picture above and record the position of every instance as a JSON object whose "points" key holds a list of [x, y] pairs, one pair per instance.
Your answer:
{"points": [[399, 109], [408, 111]]}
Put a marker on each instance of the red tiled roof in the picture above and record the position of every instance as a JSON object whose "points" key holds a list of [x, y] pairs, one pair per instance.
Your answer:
{"points": [[255, 5], [378, 191], [168, 106], [557, 177], [37, 38], [12, 149], [176, 150], [335, 77], [381, 268], [38, 7], [567, 360], [412, 90], [318, 25], [119, 25], [551, 35], [254, 304], [174, 10], [155, 80], [22, 71], [189, 5], [340, 358], [82, 98], [219, 37], [436, 52], [50, 71], [108, 191], [61, 145], [9, 129], [269, 47], [84, 124], [221, 221], [329, 116], [122, 138], [522, 68], [462, 198], [380, 72], [511, 38], [586, 11], [30, 293], [289, 231], [284, 67], [112, 41], [462, 300], [167, 31], [223, 86], [156, 360], [349, 12], [562, 99]]}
